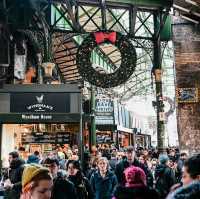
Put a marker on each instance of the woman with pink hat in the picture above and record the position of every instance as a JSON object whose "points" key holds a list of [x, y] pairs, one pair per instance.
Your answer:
{"points": [[135, 187]]}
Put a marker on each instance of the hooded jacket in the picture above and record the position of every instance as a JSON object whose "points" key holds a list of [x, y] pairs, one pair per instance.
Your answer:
{"points": [[165, 179]]}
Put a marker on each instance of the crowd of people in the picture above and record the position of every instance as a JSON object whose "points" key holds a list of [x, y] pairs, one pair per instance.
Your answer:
{"points": [[105, 173]]}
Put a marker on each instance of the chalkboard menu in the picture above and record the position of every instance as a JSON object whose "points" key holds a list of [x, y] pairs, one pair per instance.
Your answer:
{"points": [[43, 138]]}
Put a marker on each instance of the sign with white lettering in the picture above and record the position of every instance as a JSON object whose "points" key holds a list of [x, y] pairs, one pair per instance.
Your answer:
{"points": [[45, 137], [104, 106], [40, 103]]}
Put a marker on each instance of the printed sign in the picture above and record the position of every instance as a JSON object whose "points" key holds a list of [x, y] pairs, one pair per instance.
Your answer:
{"points": [[40, 137], [40, 102], [104, 106]]}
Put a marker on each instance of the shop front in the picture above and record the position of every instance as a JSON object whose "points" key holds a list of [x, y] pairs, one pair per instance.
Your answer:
{"points": [[39, 118]]}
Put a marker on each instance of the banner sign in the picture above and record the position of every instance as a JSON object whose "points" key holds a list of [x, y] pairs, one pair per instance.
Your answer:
{"points": [[40, 102]]}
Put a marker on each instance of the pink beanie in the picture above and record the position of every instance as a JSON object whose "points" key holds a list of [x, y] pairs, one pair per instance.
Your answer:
{"points": [[137, 175]]}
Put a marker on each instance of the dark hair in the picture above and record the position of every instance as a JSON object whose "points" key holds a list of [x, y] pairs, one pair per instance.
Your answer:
{"points": [[192, 166], [130, 149], [183, 154], [14, 154], [75, 164], [51, 161], [36, 153]]}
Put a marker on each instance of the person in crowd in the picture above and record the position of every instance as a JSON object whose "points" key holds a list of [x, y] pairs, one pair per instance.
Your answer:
{"points": [[146, 154], [180, 163], [164, 176], [144, 166], [94, 167], [103, 181], [128, 160], [34, 158], [81, 183], [155, 153], [86, 164], [113, 161], [62, 188], [13, 178], [152, 166], [37, 182], [135, 186], [190, 180], [173, 155], [191, 170]]}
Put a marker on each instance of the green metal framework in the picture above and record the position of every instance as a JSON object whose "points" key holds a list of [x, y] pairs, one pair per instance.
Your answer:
{"points": [[66, 23]]}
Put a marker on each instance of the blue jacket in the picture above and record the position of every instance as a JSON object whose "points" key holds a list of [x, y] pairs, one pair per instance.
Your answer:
{"points": [[103, 187]]}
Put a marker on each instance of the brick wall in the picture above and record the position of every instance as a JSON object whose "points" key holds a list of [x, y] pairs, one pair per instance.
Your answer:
{"points": [[187, 62]]}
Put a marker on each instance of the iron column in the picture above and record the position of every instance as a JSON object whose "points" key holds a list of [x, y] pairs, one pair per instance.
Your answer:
{"points": [[157, 70]]}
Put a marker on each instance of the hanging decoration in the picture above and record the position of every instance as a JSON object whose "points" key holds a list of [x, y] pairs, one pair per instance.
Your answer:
{"points": [[105, 80]]}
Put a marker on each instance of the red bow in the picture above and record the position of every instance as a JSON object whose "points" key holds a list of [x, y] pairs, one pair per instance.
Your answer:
{"points": [[101, 37]]}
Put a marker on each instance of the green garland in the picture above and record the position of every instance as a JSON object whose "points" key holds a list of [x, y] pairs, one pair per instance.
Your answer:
{"points": [[120, 76]]}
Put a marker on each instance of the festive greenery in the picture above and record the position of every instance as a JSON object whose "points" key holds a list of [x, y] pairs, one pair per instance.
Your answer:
{"points": [[120, 76]]}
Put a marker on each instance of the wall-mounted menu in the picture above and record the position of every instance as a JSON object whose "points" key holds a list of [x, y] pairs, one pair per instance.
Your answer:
{"points": [[44, 137]]}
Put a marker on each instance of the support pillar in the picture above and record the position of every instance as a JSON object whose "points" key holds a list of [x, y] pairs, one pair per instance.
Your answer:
{"points": [[1, 132], [93, 121], [157, 70]]}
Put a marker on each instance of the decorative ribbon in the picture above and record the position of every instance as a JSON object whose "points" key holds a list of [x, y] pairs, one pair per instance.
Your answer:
{"points": [[101, 37]]}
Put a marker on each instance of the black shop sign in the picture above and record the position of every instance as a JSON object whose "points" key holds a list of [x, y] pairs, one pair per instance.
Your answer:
{"points": [[40, 102], [42, 138]]}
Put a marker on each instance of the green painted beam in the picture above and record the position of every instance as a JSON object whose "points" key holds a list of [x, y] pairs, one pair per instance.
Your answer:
{"points": [[146, 3]]}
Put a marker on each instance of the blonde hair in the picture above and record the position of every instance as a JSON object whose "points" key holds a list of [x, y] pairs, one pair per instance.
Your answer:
{"points": [[104, 159]]}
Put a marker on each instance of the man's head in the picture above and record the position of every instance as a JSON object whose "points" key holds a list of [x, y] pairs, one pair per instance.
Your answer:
{"points": [[52, 165], [142, 159], [191, 170], [183, 156], [13, 156], [130, 153], [36, 153]]}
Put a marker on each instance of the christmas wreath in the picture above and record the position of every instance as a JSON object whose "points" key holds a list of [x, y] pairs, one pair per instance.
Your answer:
{"points": [[120, 75]]}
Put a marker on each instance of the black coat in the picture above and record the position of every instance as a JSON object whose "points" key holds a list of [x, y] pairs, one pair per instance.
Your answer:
{"points": [[15, 175], [165, 179], [63, 189], [122, 192], [121, 166], [82, 186]]}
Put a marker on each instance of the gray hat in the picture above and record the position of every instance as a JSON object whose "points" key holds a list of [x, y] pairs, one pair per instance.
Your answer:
{"points": [[163, 158]]}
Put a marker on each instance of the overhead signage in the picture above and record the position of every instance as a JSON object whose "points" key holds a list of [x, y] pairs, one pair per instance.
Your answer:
{"points": [[36, 117], [40, 102], [104, 106], [39, 118]]}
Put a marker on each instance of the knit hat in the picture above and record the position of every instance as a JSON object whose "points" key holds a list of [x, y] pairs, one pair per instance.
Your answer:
{"points": [[163, 158], [136, 174], [31, 171]]}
